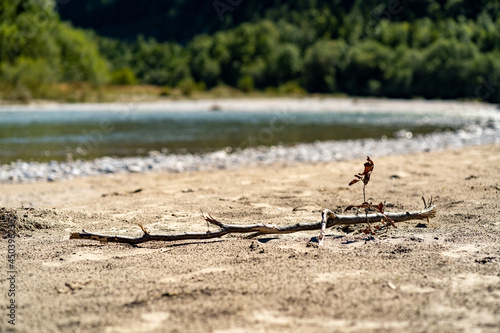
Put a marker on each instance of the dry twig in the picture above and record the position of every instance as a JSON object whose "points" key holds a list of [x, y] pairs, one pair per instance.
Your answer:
{"points": [[329, 219]]}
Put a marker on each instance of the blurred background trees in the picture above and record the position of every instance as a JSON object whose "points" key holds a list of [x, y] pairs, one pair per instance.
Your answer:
{"points": [[37, 48], [399, 49]]}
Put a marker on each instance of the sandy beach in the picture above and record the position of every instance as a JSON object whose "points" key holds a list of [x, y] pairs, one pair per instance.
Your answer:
{"points": [[249, 167], [442, 276]]}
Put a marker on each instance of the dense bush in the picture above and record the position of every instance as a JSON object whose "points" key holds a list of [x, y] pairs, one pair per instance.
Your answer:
{"points": [[323, 62], [123, 76], [37, 49], [26, 78], [404, 49], [384, 50]]}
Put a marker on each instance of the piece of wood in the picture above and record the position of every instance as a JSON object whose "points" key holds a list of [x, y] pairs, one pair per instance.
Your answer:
{"points": [[329, 219]]}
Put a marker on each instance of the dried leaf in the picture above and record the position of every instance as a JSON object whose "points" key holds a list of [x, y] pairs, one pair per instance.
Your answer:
{"points": [[380, 207], [348, 208], [363, 205], [368, 230], [142, 228], [368, 166], [365, 175], [354, 181]]}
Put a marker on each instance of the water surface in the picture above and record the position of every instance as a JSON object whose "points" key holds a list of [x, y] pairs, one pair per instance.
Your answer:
{"points": [[58, 135]]}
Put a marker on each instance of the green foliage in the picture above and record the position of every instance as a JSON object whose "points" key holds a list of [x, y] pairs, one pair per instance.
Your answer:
{"points": [[323, 60], [288, 63], [204, 63], [80, 58], [123, 76], [176, 20], [291, 87], [424, 33], [37, 49], [245, 83], [449, 63], [118, 53], [188, 86], [393, 34], [367, 62], [398, 78], [26, 78], [159, 63], [403, 49]]}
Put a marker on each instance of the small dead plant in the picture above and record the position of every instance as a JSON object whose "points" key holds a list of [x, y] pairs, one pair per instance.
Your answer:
{"points": [[368, 206]]}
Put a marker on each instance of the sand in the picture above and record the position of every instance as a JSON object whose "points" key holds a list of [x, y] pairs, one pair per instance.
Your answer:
{"points": [[442, 276], [348, 104]]}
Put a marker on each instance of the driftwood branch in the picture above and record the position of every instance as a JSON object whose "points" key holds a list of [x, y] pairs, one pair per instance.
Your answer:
{"points": [[329, 219]]}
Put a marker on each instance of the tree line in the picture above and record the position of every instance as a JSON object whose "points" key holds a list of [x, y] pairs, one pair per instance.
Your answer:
{"points": [[431, 49]]}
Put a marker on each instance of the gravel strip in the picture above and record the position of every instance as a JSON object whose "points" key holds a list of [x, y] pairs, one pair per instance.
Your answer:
{"points": [[319, 152]]}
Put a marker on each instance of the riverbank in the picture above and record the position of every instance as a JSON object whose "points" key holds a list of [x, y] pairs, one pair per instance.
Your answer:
{"points": [[436, 276], [482, 127], [269, 105], [318, 152]]}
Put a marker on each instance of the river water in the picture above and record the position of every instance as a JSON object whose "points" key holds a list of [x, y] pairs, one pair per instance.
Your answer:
{"points": [[40, 135]]}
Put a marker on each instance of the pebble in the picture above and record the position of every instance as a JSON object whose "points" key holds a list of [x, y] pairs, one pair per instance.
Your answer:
{"points": [[317, 152]]}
